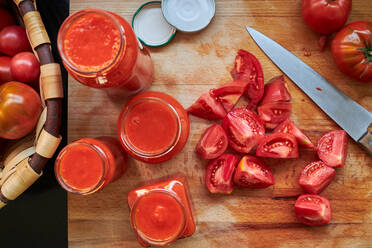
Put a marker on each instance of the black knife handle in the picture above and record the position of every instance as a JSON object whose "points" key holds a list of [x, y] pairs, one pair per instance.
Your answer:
{"points": [[366, 142]]}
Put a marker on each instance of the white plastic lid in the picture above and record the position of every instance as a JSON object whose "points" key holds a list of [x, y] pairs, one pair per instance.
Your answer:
{"points": [[189, 15], [150, 25]]}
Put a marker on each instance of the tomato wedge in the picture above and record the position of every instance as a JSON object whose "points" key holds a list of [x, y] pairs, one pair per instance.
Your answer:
{"points": [[332, 148], [248, 68], [244, 129], [212, 143], [274, 113], [278, 145], [219, 175], [276, 90], [207, 107], [253, 173], [313, 210], [230, 93], [288, 126], [316, 176]]}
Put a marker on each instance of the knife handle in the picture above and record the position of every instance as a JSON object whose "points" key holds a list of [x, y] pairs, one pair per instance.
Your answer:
{"points": [[366, 142]]}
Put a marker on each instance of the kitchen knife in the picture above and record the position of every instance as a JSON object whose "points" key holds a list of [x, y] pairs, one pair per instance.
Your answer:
{"points": [[352, 117]]}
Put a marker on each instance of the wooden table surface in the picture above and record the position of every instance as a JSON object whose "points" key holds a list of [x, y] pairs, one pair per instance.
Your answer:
{"points": [[190, 65]]}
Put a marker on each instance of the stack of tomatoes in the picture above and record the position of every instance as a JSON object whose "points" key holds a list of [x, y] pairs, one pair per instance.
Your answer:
{"points": [[20, 104], [245, 129]]}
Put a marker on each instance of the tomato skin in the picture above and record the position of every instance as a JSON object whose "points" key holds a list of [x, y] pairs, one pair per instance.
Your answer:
{"points": [[229, 93], [213, 142], [207, 107], [325, 16], [6, 18], [244, 129], [352, 50], [5, 72], [276, 90], [332, 148], [20, 106], [313, 210], [316, 176], [25, 67], [248, 68], [219, 175], [253, 173], [288, 126], [13, 40], [274, 113], [278, 145]]}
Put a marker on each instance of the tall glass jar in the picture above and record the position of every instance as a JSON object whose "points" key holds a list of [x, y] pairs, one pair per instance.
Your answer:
{"points": [[100, 49]]}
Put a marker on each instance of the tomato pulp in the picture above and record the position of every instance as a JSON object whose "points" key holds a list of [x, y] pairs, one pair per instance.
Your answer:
{"points": [[87, 165], [100, 50], [153, 127]]}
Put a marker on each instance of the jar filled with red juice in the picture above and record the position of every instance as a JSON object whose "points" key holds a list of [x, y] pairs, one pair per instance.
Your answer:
{"points": [[88, 165], [161, 212], [100, 49], [153, 127]]}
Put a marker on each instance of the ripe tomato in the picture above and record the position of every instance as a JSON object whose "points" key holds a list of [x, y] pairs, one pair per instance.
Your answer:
{"points": [[219, 175], [352, 50], [253, 173], [229, 93], [244, 129], [274, 113], [6, 18], [13, 40], [313, 210], [288, 126], [25, 67], [332, 148], [207, 107], [213, 142], [20, 108], [325, 16], [316, 176], [248, 68], [5, 73], [278, 145], [276, 90]]}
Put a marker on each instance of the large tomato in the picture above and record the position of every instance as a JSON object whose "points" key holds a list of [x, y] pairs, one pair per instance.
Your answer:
{"points": [[20, 108], [352, 50], [325, 16]]}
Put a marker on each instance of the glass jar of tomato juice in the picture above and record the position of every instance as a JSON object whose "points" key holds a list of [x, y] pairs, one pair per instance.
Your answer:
{"points": [[88, 165], [100, 49]]}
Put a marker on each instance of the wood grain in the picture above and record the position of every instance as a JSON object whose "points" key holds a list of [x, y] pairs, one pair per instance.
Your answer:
{"points": [[190, 65]]}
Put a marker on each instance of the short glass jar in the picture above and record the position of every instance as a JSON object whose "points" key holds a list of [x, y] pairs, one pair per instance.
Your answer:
{"points": [[153, 127], [100, 49], [88, 165]]}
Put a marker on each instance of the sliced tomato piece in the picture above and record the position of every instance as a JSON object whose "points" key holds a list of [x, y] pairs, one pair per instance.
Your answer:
{"points": [[248, 68], [230, 93], [244, 129], [313, 210], [278, 145], [212, 143], [253, 173], [288, 126], [276, 90], [274, 113], [316, 176], [207, 107], [219, 175], [332, 148]]}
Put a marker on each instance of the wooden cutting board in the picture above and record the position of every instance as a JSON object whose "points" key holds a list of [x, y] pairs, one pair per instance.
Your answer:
{"points": [[189, 66]]}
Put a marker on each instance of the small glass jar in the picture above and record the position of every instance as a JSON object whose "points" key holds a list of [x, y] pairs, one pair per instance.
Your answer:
{"points": [[161, 212], [100, 49], [153, 127], [88, 165]]}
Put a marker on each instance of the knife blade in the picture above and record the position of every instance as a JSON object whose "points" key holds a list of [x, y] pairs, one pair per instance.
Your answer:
{"points": [[347, 113]]}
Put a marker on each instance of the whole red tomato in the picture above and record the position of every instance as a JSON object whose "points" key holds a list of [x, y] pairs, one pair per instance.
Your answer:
{"points": [[25, 67], [6, 18], [352, 50], [5, 73], [325, 16], [13, 40], [20, 108]]}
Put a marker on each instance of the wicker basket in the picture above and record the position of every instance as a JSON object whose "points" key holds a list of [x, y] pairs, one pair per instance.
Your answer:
{"points": [[26, 160]]}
